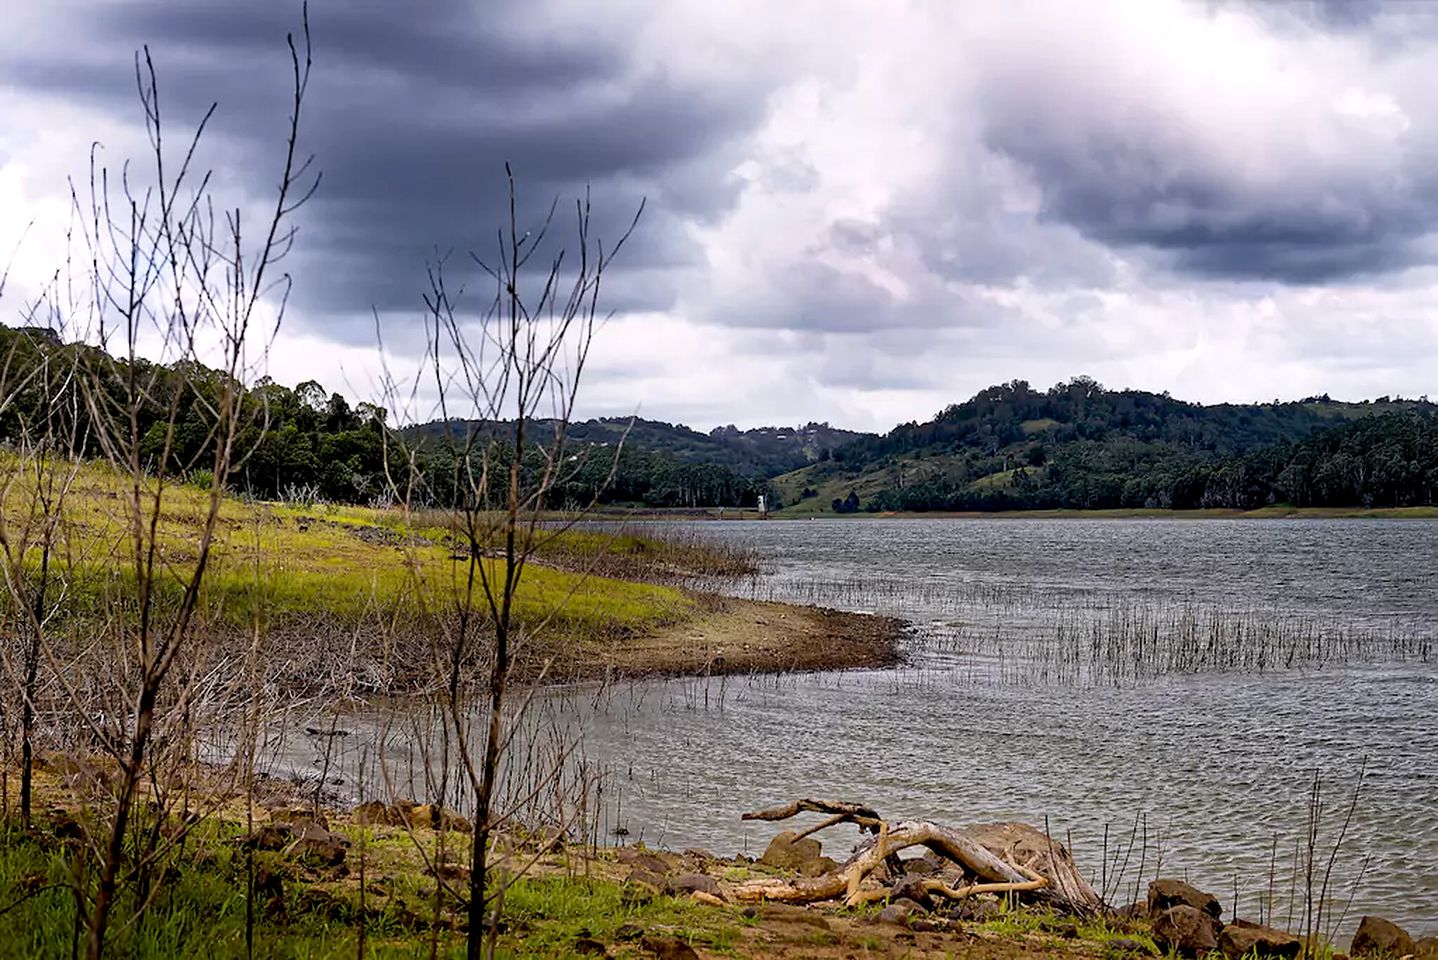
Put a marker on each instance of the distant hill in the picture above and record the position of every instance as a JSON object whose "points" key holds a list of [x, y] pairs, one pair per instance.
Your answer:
{"points": [[759, 453], [1080, 446], [1075, 445], [670, 465]]}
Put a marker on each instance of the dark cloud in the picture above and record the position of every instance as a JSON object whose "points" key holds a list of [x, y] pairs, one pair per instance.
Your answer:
{"points": [[1141, 179], [413, 111]]}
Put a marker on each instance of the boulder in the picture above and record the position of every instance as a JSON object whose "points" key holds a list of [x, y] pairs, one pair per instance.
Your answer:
{"points": [[669, 948], [786, 853], [1186, 930], [1377, 937], [645, 861], [694, 883], [1164, 894], [646, 880], [899, 911], [269, 836], [313, 844], [1127, 947], [1242, 938], [375, 813]]}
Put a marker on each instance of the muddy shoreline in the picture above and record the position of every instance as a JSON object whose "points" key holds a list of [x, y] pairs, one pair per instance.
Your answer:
{"points": [[733, 636]]}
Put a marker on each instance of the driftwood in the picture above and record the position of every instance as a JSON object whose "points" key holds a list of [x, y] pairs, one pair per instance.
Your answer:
{"points": [[999, 858]]}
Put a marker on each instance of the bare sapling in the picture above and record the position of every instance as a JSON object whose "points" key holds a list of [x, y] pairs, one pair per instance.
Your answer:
{"points": [[180, 302], [512, 369]]}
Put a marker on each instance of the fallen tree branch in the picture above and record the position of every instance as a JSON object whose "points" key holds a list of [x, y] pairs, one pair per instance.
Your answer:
{"points": [[987, 853], [841, 812]]}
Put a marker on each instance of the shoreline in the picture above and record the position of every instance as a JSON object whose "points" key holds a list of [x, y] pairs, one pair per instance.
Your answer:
{"points": [[736, 637], [1116, 513]]}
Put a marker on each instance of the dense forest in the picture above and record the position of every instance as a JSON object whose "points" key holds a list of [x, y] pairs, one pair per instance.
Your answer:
{"points": [[1079, 446], [309, 443], [1010, 447]]}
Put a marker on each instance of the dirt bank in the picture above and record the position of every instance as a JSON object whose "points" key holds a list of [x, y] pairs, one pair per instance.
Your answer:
{"points": [[743, 636]]}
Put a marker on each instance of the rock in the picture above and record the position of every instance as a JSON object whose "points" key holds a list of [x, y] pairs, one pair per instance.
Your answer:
{"points": [[1134, 911], [646, 862], [979, 909], [1068, 930], [1378, 937], [1163, 894], [438, 818], [270, 836], [375, 813], [1426, 948], [269, 883], [1126, 947], [1242, 938], [935, 925], [695, 883], [315, 845], [1186, 930], [647, 880], [924, 866], [629, 931], [669, 948], [587, 945], [899, 911], [297, 816], [786, 853]]}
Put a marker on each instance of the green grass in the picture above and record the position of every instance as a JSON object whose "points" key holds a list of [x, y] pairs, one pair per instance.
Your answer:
{"points": [[558, 910], [200, 912], [344, 565]]}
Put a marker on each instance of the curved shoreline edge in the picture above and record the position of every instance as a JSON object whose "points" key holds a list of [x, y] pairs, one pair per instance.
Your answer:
{"points": [[738, 637]]}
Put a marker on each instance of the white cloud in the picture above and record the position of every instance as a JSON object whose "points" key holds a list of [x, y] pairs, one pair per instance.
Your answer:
{"points": [[935, 197]]}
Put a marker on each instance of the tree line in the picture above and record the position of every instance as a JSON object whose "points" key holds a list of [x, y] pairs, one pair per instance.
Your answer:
{"points": [[1383, 460], [309, 443]]}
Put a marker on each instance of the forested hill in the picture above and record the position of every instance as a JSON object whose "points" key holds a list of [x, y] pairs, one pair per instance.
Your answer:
{"points": [[1079, 446], [1010, 447], [758, 453]]}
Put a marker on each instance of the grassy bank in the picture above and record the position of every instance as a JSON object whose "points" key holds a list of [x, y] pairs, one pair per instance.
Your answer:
{"points": [[369, 591], [391, 891]]}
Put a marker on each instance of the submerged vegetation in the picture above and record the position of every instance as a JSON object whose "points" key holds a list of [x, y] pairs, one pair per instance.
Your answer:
{"points": [[1023, 634]]}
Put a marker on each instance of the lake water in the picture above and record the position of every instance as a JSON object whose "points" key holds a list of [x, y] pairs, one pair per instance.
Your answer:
{"points": [[1214, 763], [1160, 693]]}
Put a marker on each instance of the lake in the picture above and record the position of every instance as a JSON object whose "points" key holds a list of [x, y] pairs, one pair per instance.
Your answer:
{"points": [[1160, 693], [1215, 764]]}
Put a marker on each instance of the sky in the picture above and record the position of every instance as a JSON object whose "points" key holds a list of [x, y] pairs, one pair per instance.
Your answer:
{"points": [[856, 212]]}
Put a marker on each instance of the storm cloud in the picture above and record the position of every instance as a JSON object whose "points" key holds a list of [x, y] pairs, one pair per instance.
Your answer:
{"points": [[853, 212]]}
